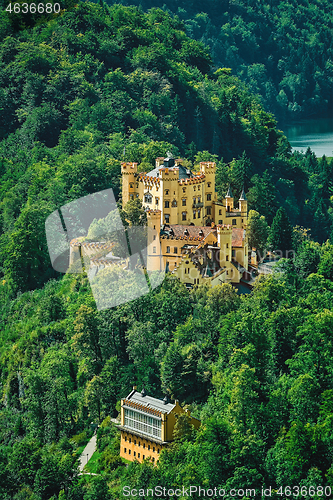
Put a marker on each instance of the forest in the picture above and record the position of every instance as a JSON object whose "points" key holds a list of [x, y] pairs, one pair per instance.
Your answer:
{"points": [[283, 50], [79, 93]]}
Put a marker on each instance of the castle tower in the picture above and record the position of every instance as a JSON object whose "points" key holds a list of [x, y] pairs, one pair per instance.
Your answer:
{"points": [[229, 200], [129, 172], [243, 203], [224, 239], [154, 254], [208, 169]]}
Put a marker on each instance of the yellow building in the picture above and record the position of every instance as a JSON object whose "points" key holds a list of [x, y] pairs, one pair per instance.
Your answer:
{"points": [[201, 238], [147, 425]]}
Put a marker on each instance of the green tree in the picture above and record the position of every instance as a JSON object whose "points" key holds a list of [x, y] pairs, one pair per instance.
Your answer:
{"points": [[257, 231], [280, 236]]}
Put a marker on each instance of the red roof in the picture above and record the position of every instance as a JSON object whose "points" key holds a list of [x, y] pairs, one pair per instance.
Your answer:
{"points": [[238, 236]]}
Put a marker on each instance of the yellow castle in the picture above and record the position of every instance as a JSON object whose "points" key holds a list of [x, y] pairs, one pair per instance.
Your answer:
{"points": [[200, 238]]}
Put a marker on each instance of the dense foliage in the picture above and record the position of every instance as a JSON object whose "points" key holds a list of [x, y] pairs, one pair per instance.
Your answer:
{"points": [[93, 86], [80, 92], [282, 49]]}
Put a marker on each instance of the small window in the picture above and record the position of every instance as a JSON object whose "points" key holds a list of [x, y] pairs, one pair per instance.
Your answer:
{"points": [[209, 197], [227, 245], [199, 214], [134, 441], [137, 184], [233, 253], [220, 212], [208, 184], [125, 438], [158, 450], [166, 204], [143, 456], [129, 452], [184, 190], [137, 195], [183, 215], [131, 185], [153, 459], [194, 215], [175, 250], [154, 449], [130, 440], [154, 238], [139, 444], [242, 220], [184, 202], [194, 201], [220, 222], [167, 192], [194, 189], [125, 450], [148, 198], [149, 447], [234, 222], [132, 196], [154, 251], [227, 258], [157, 200], [168, 250], [134, 453], [174, 203], [167, 218], [144, 445], [138, 455], [209, 210]]}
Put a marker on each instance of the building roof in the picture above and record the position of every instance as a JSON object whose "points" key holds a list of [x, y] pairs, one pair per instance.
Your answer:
{"points": [[148, 403], [243, 196], [238, 236], [184, 173], [229, 193]]}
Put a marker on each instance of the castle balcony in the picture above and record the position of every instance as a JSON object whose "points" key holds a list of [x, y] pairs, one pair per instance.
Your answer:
{"points": [[198, 205]]}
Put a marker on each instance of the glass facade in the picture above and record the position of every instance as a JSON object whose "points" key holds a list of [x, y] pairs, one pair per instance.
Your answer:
{"points": [[143, 423]]}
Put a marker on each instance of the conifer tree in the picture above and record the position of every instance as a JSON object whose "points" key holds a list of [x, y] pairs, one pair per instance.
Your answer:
{"points": [[280, 237]]}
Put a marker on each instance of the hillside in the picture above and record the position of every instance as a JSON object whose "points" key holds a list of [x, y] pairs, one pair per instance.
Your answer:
{"points": [[79, 93], [83, 88], [283, 50]]}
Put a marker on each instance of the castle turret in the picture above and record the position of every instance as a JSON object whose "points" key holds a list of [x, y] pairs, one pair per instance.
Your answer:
{"points": [[208, 169], [154, 256], [243, 202], [129, 172], [229, 200]]}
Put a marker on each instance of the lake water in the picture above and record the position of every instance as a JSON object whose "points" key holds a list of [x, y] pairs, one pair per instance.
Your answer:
{"points": [[314, 132]]}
